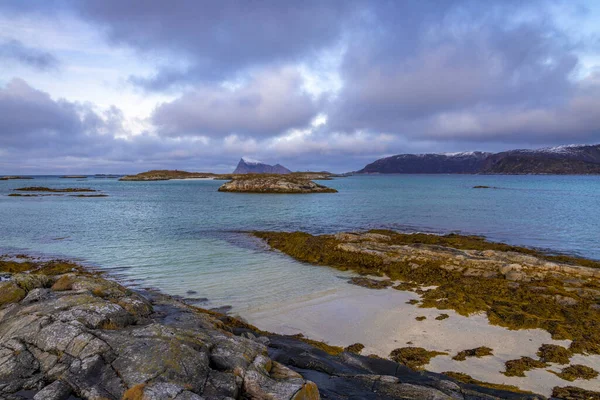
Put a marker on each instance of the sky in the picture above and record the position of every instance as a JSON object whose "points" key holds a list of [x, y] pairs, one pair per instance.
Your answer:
{"points": [[111, 86]]}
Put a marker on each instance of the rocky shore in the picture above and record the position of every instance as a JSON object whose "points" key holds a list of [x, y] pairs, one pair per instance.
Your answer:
{"points": [[66, 332], [288, 183], [512, 287]]}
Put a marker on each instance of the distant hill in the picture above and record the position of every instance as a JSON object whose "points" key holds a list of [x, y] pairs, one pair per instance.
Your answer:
{"points": [[249, 166], [561, 160]]}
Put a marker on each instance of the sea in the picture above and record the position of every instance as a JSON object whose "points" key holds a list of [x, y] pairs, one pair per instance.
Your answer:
{"points": [[187, 239]]}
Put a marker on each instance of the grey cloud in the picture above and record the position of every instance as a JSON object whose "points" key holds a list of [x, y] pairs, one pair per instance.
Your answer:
{"points": [[14, 50], [271, 102], [417, 76], [452, 60], [217, 39]]}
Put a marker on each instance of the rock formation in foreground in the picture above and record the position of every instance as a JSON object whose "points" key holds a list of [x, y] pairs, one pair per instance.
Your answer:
{"points": [[249, 166], [516, 287], [65, 331], [561, 160], [290, 183]]}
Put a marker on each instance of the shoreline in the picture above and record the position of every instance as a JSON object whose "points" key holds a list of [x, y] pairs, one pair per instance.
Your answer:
{"points": [[510, 299], [382, 320], [68, 331]]}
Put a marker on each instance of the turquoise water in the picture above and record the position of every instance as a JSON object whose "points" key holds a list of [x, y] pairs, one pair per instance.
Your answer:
{"points": [[184, 235]]}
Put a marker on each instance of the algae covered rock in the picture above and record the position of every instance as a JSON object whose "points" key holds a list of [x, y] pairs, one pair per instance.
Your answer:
{"points": [[10, 293], [273, 184], [414, 357]]}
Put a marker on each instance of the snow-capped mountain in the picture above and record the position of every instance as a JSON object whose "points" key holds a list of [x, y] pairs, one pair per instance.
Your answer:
{"points": [[443, 163], [567, 159], [250, 166]]}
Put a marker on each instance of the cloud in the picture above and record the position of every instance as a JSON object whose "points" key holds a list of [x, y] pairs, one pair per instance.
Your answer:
{"points": [[448, 60], [214, 40], [13, 50], [232, 79], [271, 102], [575, 121]]}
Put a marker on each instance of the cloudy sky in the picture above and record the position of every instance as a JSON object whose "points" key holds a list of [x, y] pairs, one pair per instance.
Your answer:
{"points": [[124, 86]]}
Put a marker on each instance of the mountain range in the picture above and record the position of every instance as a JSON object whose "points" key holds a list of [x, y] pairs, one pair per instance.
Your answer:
{"points": [[560, 160], [249, 166]]}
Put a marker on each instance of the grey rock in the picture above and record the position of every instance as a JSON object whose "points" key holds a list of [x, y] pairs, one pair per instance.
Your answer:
{"points": [[36, 295], [161, 391], [57, 390], [565, 300], [411, 391]]}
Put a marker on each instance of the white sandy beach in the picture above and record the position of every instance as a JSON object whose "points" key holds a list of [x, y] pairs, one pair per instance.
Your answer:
{"points": [[382, 321]]}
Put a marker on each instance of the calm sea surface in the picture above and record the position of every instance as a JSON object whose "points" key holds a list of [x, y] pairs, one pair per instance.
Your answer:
{"points": [[182, 236]]}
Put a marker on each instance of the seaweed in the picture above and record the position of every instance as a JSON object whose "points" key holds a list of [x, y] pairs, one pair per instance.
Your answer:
{"points": [[552, 353], [574, 393], [442, 317], [520, 366], [509, 304], [577, 371], [464, 378], [414, 357], [355, 348], [477, 352], [370, 283]]}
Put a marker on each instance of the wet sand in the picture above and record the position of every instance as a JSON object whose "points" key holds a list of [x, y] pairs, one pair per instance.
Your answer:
{"points": [[383, 321]]}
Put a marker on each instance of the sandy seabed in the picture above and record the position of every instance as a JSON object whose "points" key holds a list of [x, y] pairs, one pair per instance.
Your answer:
{"points": [[382, 321]]}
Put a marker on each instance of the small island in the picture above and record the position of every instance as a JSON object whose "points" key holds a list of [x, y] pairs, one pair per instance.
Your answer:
{"points": [[165, 175], [8, 178], [41, 191], [263, 183], [52, 190]]}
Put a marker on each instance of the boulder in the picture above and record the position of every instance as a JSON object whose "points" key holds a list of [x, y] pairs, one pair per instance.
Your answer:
{"points": [[10, 293]]}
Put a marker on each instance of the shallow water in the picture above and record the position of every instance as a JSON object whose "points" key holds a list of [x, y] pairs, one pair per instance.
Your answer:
{"points": [[182, 236]]}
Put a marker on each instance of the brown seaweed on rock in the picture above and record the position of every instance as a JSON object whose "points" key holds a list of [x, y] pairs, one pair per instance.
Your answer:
{"points": [[414, 357], [477, 352], [520, 366], [514, 305]]}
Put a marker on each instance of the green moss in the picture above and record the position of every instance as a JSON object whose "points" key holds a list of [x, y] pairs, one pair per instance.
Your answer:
{"points": [[505, 304], [520, 366], [574, 393], [421, 318], [413, 301], [414, 357], [464, 378], [552, 353], [573, 372], [442, 317], [477, 352]]}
